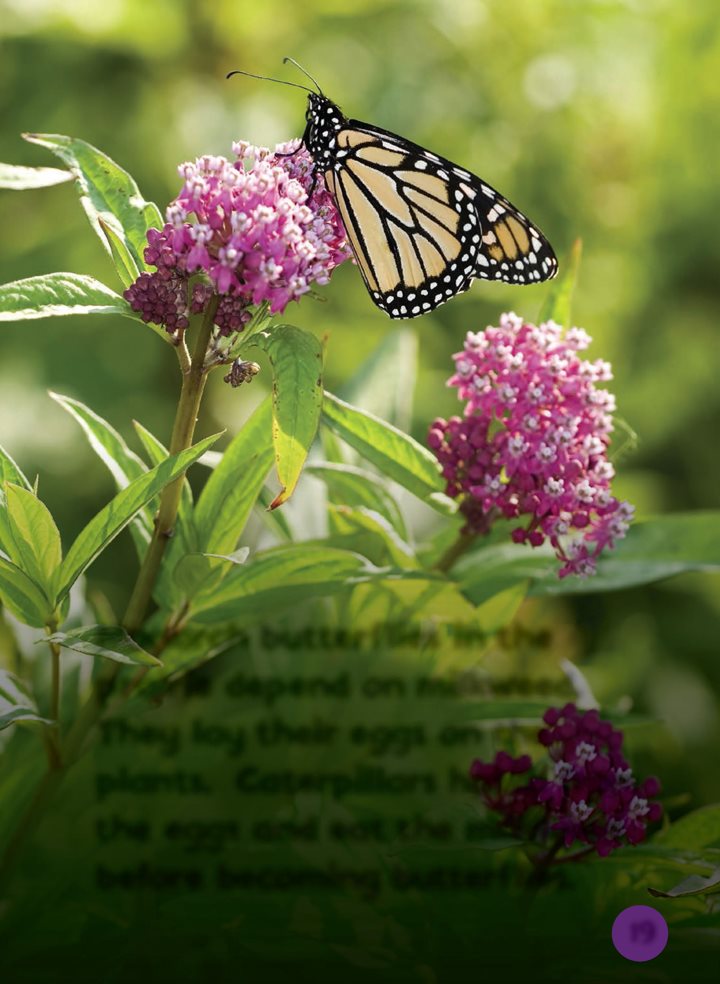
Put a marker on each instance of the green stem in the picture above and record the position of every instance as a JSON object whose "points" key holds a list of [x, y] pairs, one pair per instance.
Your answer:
{"points": [[194, 376], [455, 551], [52, 742], [30, 819], [191, 393]]}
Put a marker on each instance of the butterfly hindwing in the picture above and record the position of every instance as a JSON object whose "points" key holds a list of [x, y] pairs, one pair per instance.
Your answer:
{"points": [[512, 250]]}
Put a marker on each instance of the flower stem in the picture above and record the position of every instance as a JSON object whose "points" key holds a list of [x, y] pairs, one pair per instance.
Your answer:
{"points": [[194, 377], [30, 819], [52, 733], [54, 754], [455, 551]]}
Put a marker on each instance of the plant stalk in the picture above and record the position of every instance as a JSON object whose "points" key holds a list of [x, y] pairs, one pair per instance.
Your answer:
{"points": [[455, 551], [194, 378]]}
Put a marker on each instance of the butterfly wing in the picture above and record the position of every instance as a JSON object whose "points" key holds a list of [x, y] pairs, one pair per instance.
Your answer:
{"points": [[421, 228]]}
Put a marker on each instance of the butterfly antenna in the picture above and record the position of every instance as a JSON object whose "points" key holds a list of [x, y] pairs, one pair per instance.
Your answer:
{"points": [[297, 65], [266, 78]]}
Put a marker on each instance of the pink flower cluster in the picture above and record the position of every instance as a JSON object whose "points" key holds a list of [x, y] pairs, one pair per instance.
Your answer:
{"points": [[591, 795], [533, 440], [252, 227]]}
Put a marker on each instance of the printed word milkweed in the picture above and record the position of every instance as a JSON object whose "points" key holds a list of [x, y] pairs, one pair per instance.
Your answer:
{"points": [[421, 228]]}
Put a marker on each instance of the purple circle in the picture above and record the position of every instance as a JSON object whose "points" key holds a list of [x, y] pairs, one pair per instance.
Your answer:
{"points": [[640, 933]]}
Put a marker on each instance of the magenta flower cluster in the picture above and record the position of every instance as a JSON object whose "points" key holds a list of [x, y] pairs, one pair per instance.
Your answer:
{"points": [[532, 443], [255, 227], [590, 795]]}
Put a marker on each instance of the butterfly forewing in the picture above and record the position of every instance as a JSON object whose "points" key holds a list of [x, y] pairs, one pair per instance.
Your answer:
{"points": [[414, 233], [421, 228]]}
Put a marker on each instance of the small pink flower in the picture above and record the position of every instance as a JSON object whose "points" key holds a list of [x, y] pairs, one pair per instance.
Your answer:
{"points": [[532, 442], [251, 227], [588, 793]]}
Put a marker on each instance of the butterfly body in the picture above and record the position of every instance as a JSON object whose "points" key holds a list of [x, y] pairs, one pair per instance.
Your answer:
{"points": [[420, 227]]}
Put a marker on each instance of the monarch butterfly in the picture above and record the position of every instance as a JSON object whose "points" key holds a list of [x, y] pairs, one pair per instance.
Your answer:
{"points": [[420, 227]]}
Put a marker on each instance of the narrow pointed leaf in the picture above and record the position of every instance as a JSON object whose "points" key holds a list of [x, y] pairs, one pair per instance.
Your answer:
{"points": [[652, 550], [156, 453], [17, 178], [231, 491], [22, 596], [108, 641], [184, 540], [198, 574], [9, 472], [16, 704], [367, 523], [296, 359], [107, 192], [692, 885], [122, 463], [286, 576], [36, 546], [696, 830], [395, 453], [274, 519], [349, 485], [106, 525], [56, 295], [127, 268]]}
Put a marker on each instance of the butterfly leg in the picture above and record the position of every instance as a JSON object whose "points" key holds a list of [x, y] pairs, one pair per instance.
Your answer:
{"points": [[292, 153]]}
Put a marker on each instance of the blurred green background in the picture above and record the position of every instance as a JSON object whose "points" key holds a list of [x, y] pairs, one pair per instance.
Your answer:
{"points": [[599, 118]]}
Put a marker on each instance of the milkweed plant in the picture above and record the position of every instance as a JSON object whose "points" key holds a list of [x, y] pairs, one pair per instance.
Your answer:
{"points": [[516, 488]]}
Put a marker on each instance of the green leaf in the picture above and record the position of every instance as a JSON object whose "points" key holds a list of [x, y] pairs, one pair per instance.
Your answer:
{"points": [[22, 596], [557, 306], [36, 545], [122, 463], [384, 384], [58, 294], [695, 830], [396, 454], [108, 641], [198, 574], [485, 573], [286, 576], [296, 359], [652, 550], [106, 525], [367, 523], [504, 710], [9, 472], [127, 268], [107, 193], [184, 539], [16, 704], [157, 453], [230, 493], [692, 885], [17, 178], [351, 486], [501, 608], [274, 519]]}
